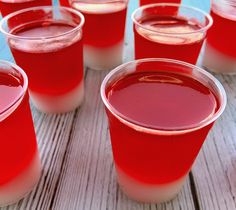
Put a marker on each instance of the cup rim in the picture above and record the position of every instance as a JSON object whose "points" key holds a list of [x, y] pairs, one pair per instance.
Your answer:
{"points": [[24, 88], [205, 28], [145, 129], [8, 34]]}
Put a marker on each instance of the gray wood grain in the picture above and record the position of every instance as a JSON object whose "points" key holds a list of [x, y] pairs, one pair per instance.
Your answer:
{"points": [[215, 168]]}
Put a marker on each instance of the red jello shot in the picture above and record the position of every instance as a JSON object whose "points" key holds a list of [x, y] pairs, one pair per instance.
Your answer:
{"points": [[169, 30], [220, 51], [144, 2], [47, 43], [10, 6], [103, 31], [160, 112], [19, 160]]}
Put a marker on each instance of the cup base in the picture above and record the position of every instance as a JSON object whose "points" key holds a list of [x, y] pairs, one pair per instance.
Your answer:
{"points": [[218, 62], [58, 104], [148, 193], [103, 58], [22, 185]]}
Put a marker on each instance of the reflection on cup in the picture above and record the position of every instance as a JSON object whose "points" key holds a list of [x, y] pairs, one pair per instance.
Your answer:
{"points": [[47, 43], [160, 112], [169, 30], [19, 160]]}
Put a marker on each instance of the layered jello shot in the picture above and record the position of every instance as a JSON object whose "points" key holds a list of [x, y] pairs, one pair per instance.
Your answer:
{"points": [[19, 160], [47, 43], [169, 30], [160, 112], [220, 53], [9, 6], [103, 31]]}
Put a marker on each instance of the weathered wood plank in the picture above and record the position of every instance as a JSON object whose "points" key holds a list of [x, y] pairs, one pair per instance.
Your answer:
{"points": [[215, 168]]}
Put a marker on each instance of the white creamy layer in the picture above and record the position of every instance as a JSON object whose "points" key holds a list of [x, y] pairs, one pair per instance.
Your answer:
{"points": [[216, 61], [19, 187], [103, 58], [59, 103], [148, 193]]}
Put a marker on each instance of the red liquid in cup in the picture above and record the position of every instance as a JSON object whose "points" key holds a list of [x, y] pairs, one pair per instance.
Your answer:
{"points": [[162, 101], [222, 34], [64, 3], [8, 7], [53, 68], [17, 137], [105, 23], [181, 47], [144, 2]]}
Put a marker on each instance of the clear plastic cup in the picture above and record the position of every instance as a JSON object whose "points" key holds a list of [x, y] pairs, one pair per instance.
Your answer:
{"points": [[19, 160], [169, 30], [104, 30], [47, 43], [220, 54], [160, 112]]}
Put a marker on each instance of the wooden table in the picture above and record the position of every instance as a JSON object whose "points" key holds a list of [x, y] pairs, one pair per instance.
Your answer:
{"points": [[78, 170]]}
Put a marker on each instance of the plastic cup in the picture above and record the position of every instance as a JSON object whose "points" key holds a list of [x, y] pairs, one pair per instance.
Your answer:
{"points": [[169, 30], [103, 32], [47, 43], [160, 112], [220, 55], [19, 160]]}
